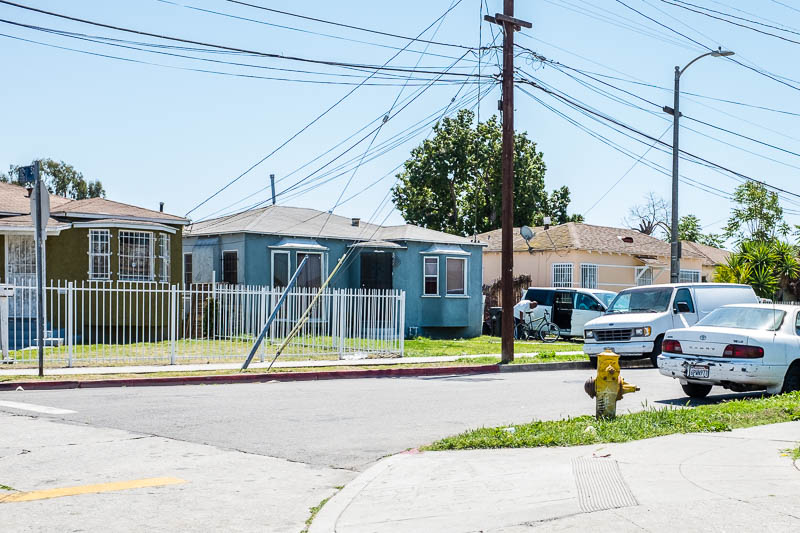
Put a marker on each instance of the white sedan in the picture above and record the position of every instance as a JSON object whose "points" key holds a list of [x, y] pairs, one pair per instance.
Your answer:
{"points": [[743, 347]]}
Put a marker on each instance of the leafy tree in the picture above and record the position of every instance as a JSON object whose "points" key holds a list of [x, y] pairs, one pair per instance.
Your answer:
{"points": [[62, 179], [689, 229], [758, 215], [767, 266], [453, 181]]}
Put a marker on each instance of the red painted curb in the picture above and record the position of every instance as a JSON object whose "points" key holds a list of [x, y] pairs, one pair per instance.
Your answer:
{"points": [[251, 378]]}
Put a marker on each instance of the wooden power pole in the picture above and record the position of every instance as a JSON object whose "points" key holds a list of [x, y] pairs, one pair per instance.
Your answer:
{"points": [[509, 25]]}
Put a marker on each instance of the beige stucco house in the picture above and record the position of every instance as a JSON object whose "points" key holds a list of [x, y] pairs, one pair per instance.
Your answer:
{"points": [[601, 257]]}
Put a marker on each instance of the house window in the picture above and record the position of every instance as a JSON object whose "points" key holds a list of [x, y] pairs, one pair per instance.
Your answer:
{"points": [[280, 269], [644, 275], [187, 269], [431, 276], [135, 256], [589, 276], [562, 274], [456, 276], [163, 255], [230, 267], [689, 276], [311, 275], [99, 254]]}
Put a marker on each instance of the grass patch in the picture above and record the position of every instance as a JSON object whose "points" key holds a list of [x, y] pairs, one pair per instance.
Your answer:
{"points": [[424, 347], [541, 357], [794, 453], [652, 422], [316, 509]]}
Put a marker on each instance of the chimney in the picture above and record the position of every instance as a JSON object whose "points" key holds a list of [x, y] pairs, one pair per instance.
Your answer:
{"points": [[161, 207], [355, 221]]}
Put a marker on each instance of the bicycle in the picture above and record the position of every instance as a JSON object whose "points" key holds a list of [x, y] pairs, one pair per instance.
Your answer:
{"points": [[540, 328]]}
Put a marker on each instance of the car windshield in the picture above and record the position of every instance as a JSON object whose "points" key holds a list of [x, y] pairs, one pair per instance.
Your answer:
{"points": [[765, 319], [652, 300], [604, 297]]}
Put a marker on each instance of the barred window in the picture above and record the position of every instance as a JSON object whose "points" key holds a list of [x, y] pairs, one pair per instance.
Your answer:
{"points": [[644, 275], [230, 267], [562, 274], [99, 254], [689, 276], [135, 256], [163, 255], [589, 276], [187, 269]]}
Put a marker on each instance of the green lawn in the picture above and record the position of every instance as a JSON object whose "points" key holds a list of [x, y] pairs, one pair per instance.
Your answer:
{"points": [[541, 357], [652, 422], [424, 347]]}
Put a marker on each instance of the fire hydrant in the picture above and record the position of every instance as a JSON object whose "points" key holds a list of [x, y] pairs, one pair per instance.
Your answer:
{"points": [[609, 386]]}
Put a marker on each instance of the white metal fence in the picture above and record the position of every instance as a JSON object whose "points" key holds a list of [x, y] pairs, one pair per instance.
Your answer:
{"points": [[149, 323]]}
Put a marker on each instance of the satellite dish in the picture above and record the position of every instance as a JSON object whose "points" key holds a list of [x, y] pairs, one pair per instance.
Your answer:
{"points": [[526, 232]]}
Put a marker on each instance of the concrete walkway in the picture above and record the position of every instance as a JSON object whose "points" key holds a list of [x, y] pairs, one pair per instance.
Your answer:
{"points": [[733, 481], [9, 370]]}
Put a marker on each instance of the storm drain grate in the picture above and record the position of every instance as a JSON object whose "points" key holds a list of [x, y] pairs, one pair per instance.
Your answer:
{"points": [[600, 485]]}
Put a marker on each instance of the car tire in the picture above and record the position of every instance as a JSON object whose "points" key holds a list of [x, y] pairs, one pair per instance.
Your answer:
{"points": [[791, 382], [656, 351], [593, 361], [695, 390]]}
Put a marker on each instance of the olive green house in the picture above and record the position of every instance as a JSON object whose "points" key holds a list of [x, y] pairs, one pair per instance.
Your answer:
{"points": [[123, 253]]}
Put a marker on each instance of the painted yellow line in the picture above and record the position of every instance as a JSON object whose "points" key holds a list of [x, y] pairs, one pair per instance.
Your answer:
{"points": [[89, 489]]}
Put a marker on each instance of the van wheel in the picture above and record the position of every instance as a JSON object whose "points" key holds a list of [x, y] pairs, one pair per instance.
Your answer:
{"points": [[656, 351], [693, 390], [791, 382], [593, 361]]}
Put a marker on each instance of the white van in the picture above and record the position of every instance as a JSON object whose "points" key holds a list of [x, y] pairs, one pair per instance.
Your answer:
{"points": [[569, 309], [635, 322]]}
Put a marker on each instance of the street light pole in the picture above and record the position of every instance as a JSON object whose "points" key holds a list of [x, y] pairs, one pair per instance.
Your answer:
{"points": [[675, 245]]}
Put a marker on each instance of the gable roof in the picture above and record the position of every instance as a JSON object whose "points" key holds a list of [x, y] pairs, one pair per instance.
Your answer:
{"points": [[305, 222], [14, 200], [105, 208], [604, 239]]}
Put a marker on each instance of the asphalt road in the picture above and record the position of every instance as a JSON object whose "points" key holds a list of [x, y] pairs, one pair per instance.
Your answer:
{"points": [[341, 423]]}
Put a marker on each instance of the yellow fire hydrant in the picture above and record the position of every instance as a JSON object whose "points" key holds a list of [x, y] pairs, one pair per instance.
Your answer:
{"points": [[609, 386]]}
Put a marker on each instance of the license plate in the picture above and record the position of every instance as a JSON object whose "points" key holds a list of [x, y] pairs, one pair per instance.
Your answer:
{"points": [[697, 371]]}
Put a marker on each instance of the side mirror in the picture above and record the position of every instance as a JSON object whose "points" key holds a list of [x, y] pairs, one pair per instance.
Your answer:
{"points": [[681, 307], [597, 308]]}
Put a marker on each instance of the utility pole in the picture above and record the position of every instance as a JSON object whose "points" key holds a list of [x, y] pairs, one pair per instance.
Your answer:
{"points": [[509, 24], [40, 200]]}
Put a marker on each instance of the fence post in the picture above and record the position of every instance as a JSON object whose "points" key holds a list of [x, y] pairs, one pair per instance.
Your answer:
{"points": [[402, 298], [342, 306], [173, 321], [70, 321]]}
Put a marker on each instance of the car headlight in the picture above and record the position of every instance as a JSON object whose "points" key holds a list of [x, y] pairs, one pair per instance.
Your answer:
{"points": [[588, 334], [642, 332]]}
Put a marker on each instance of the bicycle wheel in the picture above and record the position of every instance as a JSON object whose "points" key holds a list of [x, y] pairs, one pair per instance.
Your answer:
{"points": [[549, 332]]}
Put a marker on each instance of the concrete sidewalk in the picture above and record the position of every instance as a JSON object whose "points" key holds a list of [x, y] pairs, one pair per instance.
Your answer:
{"points": [[733, 481], [8, 370]]}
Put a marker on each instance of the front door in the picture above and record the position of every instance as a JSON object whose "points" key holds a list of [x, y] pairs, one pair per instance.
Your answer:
{"points": [[21, 272], [376, 271]]}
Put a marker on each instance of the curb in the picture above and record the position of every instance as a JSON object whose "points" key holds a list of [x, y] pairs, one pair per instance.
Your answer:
{"points": [[571, 365], [249, 378]]}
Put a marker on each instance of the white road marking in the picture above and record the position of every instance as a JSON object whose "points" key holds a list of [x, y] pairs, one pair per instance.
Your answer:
{"points": [[36, 408]]}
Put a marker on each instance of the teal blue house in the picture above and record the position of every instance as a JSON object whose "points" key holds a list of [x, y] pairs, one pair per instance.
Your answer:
{"points": [[440, 273]]}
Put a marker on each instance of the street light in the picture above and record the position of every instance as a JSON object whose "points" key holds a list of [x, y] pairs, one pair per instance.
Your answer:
{"points": [[675, 255]]}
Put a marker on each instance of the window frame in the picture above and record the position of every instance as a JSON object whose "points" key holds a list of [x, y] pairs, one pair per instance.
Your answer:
{"points": [[191, 270], [636, 276], [223, 266], [692, 309], [272, 266], [695, 274], [150, 259], [323, 274], [425, 276], [590, 267], [562, 267], [464, 276], [164, 257], [93, 276]]}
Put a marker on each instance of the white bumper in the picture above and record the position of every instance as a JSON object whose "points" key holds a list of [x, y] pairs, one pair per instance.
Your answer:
{"points": [[623, 349], [749, 373]]}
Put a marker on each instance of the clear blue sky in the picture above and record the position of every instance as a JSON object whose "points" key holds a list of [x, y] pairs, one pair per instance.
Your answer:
{"points": [[154, 134]]}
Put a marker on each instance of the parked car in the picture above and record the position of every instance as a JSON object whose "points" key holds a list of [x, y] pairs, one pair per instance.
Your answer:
{"points": [[636, 321], [738, 347], [569, 309]]}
